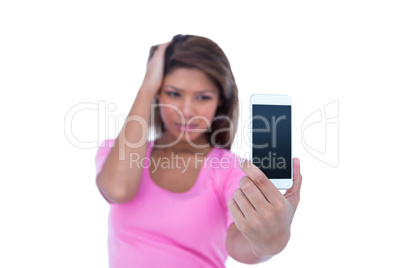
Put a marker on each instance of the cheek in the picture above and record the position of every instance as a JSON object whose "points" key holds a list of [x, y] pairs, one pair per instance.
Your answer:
{"points": [[208, 112], [168, 108], [168, 113]]}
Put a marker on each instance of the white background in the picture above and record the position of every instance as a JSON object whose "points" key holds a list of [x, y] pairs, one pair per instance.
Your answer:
{"points": [[57, 54]]}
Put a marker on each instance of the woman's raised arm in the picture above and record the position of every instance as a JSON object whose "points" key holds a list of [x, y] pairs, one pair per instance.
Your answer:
{"points": [[119, 178]]}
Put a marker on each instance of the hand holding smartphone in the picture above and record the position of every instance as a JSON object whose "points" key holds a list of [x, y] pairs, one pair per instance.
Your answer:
{"points": [[271, 137]]}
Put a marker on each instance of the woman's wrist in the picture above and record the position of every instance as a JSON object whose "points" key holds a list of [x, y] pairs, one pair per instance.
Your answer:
{"points": [[261, 256], [273, 248]]}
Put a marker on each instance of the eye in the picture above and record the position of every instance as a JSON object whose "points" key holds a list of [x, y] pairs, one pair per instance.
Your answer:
{"points": [[172, 94], [203, 97]]}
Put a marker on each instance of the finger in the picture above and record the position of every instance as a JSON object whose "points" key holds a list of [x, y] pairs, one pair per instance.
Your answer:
{"points": [[253, 194], [152, 52], [266, 187], [161, 48], [293, 194], [235, 211], [296, 177], [244, 204]]}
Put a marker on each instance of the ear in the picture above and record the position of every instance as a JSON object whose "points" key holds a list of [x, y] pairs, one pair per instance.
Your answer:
{"points": [[220, 102]]}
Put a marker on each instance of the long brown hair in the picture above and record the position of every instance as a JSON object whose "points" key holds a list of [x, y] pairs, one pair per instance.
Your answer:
{"points": [[190, 51]]}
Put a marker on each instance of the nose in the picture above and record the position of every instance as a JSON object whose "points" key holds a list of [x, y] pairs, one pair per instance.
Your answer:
{"points": [[187, 108]]}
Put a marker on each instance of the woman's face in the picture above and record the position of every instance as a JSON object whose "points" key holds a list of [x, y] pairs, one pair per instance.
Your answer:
{"points": [[188, 100]]}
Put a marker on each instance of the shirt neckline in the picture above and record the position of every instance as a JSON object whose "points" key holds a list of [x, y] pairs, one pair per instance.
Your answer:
{"points": [[197, 181]]}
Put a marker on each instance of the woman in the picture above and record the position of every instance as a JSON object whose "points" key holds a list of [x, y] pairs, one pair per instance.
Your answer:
{"points": [[183, 200]]}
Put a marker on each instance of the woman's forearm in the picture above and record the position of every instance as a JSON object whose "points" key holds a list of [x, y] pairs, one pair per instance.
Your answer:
{"points": [[120, 176]]}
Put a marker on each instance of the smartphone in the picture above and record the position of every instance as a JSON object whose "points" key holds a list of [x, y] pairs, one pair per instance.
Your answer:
{"points": [[271, 137]]}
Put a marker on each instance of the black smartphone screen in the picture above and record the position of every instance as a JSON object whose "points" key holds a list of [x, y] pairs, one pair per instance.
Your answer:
{"points": [[272, 139]]}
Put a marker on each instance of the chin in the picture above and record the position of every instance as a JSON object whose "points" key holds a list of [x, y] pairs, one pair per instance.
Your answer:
{"points": [[187, 136]]}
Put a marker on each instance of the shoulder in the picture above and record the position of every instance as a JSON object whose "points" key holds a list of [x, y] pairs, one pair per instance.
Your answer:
{"points": [[225, 166], [108, 143], [224, 161], [105, 147], [225, 154]]}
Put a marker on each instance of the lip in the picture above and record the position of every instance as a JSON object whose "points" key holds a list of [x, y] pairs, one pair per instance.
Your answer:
{"points": [[185, 127]]}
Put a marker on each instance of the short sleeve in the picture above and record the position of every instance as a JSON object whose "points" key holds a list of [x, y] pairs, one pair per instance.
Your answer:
{"points": [[102, 153], [230, 184]]}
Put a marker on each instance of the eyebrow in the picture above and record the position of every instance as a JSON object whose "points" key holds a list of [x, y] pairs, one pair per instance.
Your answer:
{"points": [[202, 91]]}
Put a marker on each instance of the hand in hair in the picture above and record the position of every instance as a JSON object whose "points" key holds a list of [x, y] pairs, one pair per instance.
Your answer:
{"points": [[154, 73]]}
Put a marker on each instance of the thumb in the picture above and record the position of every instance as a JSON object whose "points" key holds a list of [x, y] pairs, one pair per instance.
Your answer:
{"points": [[293, 194]]}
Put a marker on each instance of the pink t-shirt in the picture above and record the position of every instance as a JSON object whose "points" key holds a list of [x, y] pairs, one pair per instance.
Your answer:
{"points": [[160, 228]]}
